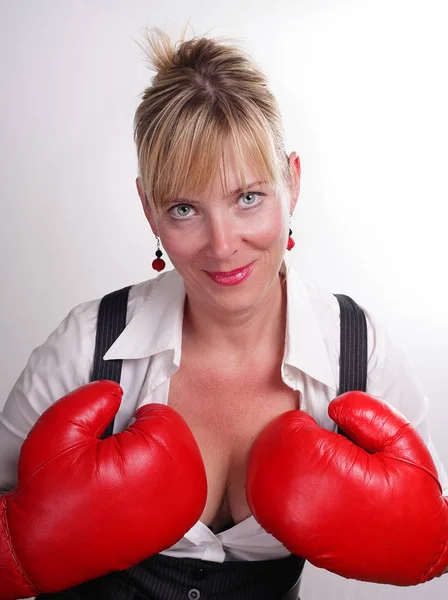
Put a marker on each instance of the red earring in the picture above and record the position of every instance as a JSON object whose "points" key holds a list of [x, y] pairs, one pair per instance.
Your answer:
{"points": [[291, 242], [158, 264]]}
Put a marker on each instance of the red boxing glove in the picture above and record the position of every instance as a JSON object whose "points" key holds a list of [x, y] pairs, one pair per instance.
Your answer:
{"points": [[369, 509], [84, 507]]}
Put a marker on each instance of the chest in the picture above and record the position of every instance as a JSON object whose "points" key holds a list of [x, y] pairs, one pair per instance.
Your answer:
{"points": [[226, 410]]}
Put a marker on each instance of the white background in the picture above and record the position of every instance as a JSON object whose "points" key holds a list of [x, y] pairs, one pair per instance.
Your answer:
{"points": [[362, 88]]}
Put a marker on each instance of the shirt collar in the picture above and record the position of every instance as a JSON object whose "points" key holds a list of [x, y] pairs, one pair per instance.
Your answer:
{"points": [[156, 327], [305, 347]]}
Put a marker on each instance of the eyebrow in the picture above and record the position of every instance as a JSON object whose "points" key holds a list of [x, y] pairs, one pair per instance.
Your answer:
{"points": [[249, 185], [233, 193]]}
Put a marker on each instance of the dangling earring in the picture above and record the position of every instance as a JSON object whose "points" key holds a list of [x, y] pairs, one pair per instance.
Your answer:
{"points": [[158, 264], [291, 242]]}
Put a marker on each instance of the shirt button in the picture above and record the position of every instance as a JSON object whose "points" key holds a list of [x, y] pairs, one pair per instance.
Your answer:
{"points": [[194, 594]]}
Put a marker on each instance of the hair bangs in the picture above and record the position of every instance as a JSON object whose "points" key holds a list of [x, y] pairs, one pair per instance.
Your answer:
{"points": [[190, 151]]}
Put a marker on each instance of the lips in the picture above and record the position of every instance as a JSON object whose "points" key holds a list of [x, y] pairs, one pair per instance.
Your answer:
{"points": [[229, 273], [231, 277]]}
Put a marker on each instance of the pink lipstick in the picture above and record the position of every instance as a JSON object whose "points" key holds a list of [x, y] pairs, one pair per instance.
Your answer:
{"points": [[231, 277]]}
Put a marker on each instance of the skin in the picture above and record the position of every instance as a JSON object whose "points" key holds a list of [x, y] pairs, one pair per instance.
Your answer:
{"points": [[218, 233]]}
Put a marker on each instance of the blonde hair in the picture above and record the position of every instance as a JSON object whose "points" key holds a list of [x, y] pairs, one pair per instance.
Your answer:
{"points": [[206, 96]]}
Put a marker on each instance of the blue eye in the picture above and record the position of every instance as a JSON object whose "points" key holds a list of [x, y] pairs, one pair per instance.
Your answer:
{"points": [[180, 211], [251, 198]]}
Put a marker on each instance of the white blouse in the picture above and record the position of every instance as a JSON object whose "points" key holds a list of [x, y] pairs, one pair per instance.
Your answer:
{"points": [[150, 347]]}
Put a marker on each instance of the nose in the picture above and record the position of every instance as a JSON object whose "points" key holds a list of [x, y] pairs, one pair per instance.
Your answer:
{"points": [[223, 239]]}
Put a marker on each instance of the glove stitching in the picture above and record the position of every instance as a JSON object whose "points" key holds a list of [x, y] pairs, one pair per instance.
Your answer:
{"points": [[75, 445], [104, 424], [26, 579], [44, 464], [416, 465], [100, 429], [428, 572], [400, 434]]}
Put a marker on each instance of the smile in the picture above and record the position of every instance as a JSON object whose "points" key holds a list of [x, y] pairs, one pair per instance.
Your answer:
{"points": [[231, 277]]}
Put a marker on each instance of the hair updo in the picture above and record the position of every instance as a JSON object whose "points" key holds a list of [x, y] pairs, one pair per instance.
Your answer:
{"points": [[206, 96]]}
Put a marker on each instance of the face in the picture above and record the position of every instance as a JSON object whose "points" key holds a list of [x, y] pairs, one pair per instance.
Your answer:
{"points": [[228, 248]]}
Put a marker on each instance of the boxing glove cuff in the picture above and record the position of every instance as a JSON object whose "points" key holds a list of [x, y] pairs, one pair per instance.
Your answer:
{"points": [[15, 583]]}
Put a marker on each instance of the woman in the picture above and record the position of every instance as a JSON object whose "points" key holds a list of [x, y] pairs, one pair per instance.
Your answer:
{"points": [[230, 339]]}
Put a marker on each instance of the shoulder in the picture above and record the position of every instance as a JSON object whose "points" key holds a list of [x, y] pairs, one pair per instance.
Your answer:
{"points": [[62, 363], [389, 374], [68, 350], [85, 314], [326, 309]]}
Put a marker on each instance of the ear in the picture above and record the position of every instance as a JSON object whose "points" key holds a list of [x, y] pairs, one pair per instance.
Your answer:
{"points": [[294, 185], [149, 214]]}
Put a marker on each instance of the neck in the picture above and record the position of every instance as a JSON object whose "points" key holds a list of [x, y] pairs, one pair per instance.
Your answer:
{"points": [[238, 335]]}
